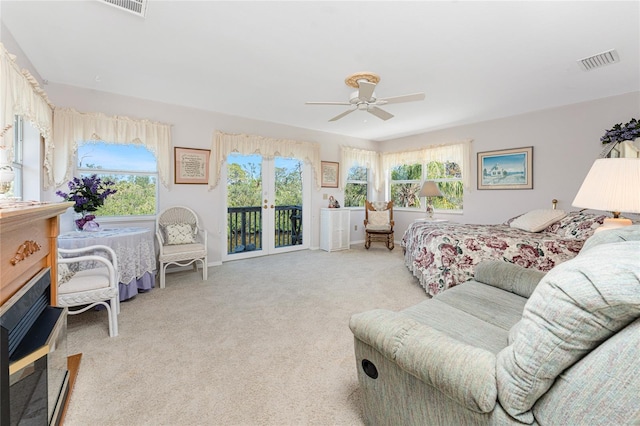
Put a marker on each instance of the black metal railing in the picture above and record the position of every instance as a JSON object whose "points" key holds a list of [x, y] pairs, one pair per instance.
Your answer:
{"points": [[244, 227]]}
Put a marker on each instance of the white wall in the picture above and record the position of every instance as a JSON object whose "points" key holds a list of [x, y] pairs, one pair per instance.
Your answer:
{"points": [[195, 129], [565, 140]]}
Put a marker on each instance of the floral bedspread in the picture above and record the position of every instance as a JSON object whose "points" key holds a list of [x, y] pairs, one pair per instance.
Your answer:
{"points": [[442, 255]]}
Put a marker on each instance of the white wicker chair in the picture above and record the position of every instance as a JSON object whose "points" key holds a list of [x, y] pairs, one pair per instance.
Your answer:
{"points": [[90, 287], [182, 242]]}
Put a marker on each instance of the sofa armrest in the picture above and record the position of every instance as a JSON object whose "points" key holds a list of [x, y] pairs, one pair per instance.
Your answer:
{"points": [[509, 277], [462, 372]]}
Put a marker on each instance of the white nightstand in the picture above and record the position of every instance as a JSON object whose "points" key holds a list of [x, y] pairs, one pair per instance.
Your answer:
{"points": [[424, 219]]}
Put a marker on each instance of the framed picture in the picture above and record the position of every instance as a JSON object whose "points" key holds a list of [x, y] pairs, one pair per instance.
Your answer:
{"points": [[330, 174], [191, 165], [506, 169]]}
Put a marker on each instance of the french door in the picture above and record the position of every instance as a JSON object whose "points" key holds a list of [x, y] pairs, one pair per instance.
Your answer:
{"points": [[265, 206]]}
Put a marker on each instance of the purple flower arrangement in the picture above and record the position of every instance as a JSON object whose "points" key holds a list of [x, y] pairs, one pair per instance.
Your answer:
{"points": [[620, 132], [88, 194]]}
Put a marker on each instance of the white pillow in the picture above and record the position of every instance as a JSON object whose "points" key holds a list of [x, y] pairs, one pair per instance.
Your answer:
{"points": [[64, 272], [179, 233], [537, 220], [378, 220]]}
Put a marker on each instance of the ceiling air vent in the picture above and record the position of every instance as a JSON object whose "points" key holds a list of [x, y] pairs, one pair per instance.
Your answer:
{"points": [[138, 7], [599, 60]]}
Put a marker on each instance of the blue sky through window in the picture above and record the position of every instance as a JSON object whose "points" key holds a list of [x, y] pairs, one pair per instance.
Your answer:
{"points": [[134, 158]]}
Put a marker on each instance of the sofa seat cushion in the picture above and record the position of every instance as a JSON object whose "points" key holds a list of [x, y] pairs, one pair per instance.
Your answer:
{"points": [[577, 305], [487, 310], [487, 303]]}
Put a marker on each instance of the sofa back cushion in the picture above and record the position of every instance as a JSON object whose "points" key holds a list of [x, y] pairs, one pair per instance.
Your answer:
{"points": [[601, 388], [625, 233], [575, 307]]}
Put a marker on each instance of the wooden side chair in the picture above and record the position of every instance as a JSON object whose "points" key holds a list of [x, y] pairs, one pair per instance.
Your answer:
{"points": [[182, 242], [378, 223]]}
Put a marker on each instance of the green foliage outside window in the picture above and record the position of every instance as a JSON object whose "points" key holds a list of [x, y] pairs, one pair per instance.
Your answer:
{"points": [[405, 189], [244, 185], [135, 196], [406, 182], [355, 191]]}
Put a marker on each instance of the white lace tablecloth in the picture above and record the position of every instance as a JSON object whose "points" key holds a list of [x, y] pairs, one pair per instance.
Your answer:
{"points": [[134, 249]]}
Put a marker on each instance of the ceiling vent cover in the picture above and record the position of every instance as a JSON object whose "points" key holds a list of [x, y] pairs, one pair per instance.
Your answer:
{"points": [[599, 60], [137, 7]]}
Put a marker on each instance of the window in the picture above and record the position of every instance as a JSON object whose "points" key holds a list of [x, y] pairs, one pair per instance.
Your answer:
{"points": [[18, 143], [134, 170], [448, 176], [407, 179], [355, 190]]}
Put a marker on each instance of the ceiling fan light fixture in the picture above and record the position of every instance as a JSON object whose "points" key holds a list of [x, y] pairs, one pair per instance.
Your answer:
{"points": [[364, 98], [353, 79]]}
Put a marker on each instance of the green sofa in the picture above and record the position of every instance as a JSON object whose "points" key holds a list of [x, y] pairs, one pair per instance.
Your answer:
{"points": [[513, 345]]}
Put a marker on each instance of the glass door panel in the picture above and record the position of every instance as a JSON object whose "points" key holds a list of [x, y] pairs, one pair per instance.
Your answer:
{"points": [[244, 204], [264, 205]]}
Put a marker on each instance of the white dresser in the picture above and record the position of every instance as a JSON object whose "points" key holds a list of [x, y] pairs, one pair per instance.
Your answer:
{"points": [[334, 229]]}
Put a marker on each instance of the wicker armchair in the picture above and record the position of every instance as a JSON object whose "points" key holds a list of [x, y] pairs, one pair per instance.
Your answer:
{"points": [[378, 223], [86, 288], [182, 242]]}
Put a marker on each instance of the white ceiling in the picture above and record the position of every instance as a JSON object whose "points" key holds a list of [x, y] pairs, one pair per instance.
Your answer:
{"points": [[262, 60]]}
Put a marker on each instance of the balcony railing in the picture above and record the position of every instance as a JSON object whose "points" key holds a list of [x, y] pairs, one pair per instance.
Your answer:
{"points": [[244, 227]]}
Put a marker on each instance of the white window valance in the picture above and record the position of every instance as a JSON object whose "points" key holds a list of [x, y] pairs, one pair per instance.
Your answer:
{"points": [[224, 144], [444, 152], [20, 94], [364, 158], [71, 127]]}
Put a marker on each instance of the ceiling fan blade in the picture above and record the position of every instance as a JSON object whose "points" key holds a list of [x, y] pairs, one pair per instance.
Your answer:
{"points": [[327, 103], [339, 116], [404, 98], [365, 90], [380, 113]]}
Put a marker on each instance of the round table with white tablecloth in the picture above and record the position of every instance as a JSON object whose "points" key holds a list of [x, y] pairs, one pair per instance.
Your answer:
{"points": [[135, 250]]}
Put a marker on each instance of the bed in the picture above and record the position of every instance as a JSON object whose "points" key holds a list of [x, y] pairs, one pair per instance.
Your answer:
{"points": [[442, 255]]}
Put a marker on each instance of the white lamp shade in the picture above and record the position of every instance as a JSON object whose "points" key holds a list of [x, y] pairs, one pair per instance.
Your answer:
{"points": [[430, 189], [612, 184]]}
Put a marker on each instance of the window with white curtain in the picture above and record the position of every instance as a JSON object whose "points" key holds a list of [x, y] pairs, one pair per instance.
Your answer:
{"points": [[444, 164]]}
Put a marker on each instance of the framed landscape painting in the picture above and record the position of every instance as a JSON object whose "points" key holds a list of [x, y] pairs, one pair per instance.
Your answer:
{"points": [[506, 169]]}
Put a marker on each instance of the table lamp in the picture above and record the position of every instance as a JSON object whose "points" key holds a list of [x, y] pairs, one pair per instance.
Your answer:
{"points": [[430, 189], [6, 178], [612, 184]]}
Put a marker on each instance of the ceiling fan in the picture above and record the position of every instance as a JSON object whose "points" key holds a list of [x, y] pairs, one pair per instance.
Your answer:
{"points": [[364, 99]]}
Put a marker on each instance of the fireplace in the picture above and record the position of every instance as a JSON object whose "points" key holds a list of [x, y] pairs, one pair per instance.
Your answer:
{"points": [[34, 379]]}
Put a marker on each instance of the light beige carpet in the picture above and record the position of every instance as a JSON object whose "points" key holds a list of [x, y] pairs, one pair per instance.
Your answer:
{"points": [[264, 341]]}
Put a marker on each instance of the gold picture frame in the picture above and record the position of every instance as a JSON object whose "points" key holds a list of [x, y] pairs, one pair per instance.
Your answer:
{"points": [[506, 169], [191, 166], [330, 174]]}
